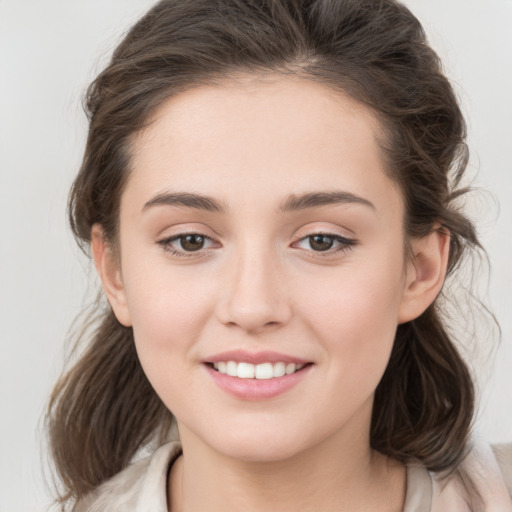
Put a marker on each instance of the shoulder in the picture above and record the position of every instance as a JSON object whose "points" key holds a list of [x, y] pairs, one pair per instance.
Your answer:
{"points": [[482, 482], [140, 487], [503, 454]]}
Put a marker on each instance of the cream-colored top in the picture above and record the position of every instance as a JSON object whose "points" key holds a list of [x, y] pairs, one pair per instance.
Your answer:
{"points": [[142, 486]]}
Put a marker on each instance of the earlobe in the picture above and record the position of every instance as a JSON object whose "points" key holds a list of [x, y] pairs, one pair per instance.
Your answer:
{"points": [[108, 268], [426, 272]]}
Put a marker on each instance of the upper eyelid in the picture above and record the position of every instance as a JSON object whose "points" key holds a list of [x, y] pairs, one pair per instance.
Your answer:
{"points": [[176, 236], [319, 228], [307, 229], [327, 232]]}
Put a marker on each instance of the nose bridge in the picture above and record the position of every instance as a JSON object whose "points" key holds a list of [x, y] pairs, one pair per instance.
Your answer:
{"points": [[255, 295]]}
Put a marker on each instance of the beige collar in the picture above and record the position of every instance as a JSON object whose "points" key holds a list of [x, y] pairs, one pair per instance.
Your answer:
{"points": [[141, 487], [430, 493]]}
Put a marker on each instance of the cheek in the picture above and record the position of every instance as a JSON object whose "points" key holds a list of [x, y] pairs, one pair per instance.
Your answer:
{"points": [[360, 294], [354, 315], [168, 310]]}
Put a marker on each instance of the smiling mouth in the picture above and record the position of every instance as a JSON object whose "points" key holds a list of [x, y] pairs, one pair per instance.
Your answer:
{"points": [[261, 371]]}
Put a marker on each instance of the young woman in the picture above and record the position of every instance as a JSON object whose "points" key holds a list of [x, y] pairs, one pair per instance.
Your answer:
{"points": [[268, 196]]}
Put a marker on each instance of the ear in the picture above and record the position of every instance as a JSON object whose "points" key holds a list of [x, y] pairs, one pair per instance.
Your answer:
{"points": [[425, 275], [109, 270]]}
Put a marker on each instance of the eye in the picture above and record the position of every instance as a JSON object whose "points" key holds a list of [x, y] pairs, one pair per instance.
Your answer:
{"points": [[186, 243], [324, 242], [193, 242], [321, 242]]}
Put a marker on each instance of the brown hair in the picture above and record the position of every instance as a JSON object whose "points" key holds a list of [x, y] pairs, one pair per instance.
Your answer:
{"points": [[103, 409]]}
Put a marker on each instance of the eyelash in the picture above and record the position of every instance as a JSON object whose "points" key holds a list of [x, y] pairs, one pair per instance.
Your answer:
{"points": [[167, 247], [345, 244]]}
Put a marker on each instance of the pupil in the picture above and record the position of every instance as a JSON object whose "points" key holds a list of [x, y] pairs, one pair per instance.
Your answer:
{"points": [[321, 242], [192, 242]]}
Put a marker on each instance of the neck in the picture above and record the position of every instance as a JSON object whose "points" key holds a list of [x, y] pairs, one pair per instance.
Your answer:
{"points": [[339, 473]]}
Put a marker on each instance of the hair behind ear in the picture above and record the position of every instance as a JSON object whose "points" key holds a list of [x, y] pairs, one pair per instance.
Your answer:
{"points": [[423, 406], [102, 410]]}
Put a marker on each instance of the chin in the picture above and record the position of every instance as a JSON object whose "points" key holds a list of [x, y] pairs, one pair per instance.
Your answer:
{"points": [[259, 444]]}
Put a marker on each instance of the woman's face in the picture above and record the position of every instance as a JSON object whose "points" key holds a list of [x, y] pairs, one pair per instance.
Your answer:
{"points": [[260, 232]]}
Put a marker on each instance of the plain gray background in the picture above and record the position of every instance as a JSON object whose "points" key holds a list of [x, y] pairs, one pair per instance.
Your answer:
{"points": [[49, 51]]}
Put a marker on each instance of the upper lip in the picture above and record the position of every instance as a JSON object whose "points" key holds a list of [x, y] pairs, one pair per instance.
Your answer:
{"points": [[245, 356]]}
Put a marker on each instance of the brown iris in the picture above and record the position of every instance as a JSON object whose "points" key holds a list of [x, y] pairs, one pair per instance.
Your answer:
{"points": [[321, 242], [192, 242]]}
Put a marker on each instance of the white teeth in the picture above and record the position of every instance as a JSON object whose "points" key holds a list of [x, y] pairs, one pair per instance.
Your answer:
{"points": [[290, 368], [245, 371], [264, 371], [232, 369], [279, 369], [258, 371]]}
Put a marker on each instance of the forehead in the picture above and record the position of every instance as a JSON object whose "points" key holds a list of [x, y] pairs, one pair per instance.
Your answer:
{"points": [[260, 136]]}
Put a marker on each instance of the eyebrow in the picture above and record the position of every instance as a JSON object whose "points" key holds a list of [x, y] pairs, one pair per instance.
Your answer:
{"points": [[187, 199], [316, 199], [291, 203]]}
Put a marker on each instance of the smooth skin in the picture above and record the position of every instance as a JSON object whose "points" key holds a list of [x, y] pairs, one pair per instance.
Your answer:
{"points": [[252, 276]]}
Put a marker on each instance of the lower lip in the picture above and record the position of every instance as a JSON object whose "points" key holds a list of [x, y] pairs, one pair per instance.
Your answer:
{"points": [[257, 389]]}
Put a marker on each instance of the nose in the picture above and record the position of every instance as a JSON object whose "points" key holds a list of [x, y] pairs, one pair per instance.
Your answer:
{"points": [[254, 297]]}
